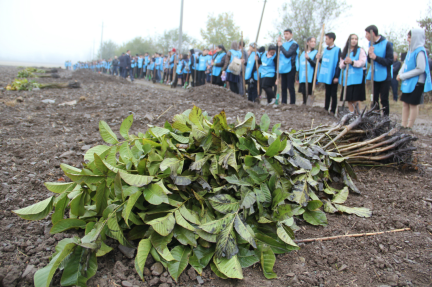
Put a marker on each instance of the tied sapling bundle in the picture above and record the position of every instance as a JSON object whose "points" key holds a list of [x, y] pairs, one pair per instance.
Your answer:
{"points": [[25, 85], [196, 191], [27, 74], [42, 70]]}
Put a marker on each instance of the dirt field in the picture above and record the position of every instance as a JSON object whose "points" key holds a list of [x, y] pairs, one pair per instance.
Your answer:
{"points": [[36, 137]]}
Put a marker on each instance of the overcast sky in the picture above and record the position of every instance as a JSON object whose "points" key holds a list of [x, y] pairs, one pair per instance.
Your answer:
{"points": [[49, 31]]}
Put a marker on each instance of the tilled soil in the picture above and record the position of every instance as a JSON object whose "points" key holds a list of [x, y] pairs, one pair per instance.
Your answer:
{"points": [[36, 137]]}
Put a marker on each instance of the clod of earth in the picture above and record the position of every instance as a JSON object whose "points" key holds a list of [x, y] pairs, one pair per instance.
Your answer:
{"points": [[195, 192]]}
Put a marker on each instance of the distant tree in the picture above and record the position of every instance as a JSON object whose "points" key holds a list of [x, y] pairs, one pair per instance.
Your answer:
{"points": [[306, 17], [137, 45], [426, 24], [398, 36], [170, 39], [220, 29], [108, 50]]}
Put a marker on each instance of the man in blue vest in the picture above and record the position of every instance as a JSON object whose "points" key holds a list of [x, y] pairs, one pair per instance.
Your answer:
{"points": [[287, 65], [382, 54], [330, 71]]}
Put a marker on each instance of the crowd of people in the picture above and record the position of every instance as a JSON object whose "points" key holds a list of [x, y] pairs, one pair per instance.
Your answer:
{"points": [[248, 72]]}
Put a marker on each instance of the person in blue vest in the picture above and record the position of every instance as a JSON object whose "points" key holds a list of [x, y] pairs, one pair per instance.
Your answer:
{"points": [[329, 71], [179, 71], [308, 56], [218, 61], [146, 63], [287, 65], [251, 76], [140, 66], [267, 70], [356, 58], [201, 62], [150, 67], [193, 66], [209, 66], [415, 76], [109, 66], [382, 54], [172, 54], [132, 68], [232, 78], [186, 70]]}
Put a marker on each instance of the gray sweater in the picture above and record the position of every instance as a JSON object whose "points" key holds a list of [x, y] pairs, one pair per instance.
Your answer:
{"points": [[417, 40]]}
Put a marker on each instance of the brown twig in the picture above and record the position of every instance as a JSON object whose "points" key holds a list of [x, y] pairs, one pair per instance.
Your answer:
{"points": [[349, 235], [165, 112]]}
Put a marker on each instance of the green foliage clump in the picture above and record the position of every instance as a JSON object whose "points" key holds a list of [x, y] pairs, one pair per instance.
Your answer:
{"points": [[22, 85], [192, 192]]}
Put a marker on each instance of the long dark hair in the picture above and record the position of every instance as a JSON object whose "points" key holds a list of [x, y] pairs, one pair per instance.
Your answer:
{"points": [[221, 47], [348, 47]]}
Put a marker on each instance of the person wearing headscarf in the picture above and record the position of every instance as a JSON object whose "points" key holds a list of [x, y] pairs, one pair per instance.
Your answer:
{"points": [[356, 58], [218, 62], [231, 78], [251, 75], [415, 76], [267, 70], [308, 57], [245, 57]]}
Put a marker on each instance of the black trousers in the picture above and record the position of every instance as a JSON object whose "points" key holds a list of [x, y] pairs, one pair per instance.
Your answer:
{"points": [[303, 91], [200, 78], [288, 81], [177, 77], [252, 90], [217, 81], [331, 95], [395, 86], [234, 87], [267, 85], [381, 90], [115, 70]]}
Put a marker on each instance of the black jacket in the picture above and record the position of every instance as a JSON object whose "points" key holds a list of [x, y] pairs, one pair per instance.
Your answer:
{"points": [[396, 67], [115, 62], [387, 61], [122, 60], [128, 61]]}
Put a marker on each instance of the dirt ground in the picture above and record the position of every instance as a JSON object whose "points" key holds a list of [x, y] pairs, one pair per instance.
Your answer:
{"points": [[36, 137]]}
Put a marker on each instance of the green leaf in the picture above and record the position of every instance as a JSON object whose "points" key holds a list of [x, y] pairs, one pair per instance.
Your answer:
{"points": [[163, 225], [106, 133], [182, 222], [216, 226], [233, 179], [159, 132], [299, 194], [160, 243], [268, 260], [36, 211], [348, 181], [66, 224], [341, 196], [184, 236], [99, 150], [130, 205], [60, 206], [43, 277], [77, 272], [316, 217], [229, 267], [274, 148], [143, 251], [101, 198], [314, 205], [201, 257], [77, 205], [155, 195], [181, 256], [265, 123], [217, 272], [116, 232], [284, 235], [359, 211], [328, 207], [247, 257], [104, 249], [135, 179], [125, 127], [224, 203], [226, 245], [243, 127], [180, 139], [58, 187], [244, 231]]}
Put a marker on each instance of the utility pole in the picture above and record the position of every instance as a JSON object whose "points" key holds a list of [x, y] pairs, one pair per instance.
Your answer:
{"points": [[93, 48], [259, 27], [101, 41], [181, 29]]}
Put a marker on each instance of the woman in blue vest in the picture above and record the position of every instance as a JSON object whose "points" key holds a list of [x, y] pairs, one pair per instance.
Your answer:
{"points": [[230, 77], [267, 70], [310, 57], [251, 76], [330, 71], [201, 62], [415, 76], [179, 71], [356, 58], [218, 61]]}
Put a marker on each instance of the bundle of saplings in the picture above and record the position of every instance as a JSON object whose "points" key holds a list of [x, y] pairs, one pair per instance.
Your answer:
{"points": [[25, 85], [194, 192], [28, 74], [41, 70]]}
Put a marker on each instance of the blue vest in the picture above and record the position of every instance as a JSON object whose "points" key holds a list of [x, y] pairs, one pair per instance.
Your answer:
{"points": [[180, 67], [140, 62], [218, 59], [249, 67], [146, 60], [151, 66], [234, 54], [285, 65], [202, 63], [310, 69], [133, 64], [268, 68], [172, 60], [355, 75], [330, 60], [161, 64], [408, 85], [380, 71]]}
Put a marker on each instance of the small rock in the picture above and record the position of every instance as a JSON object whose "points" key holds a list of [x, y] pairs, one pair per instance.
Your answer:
{"points": [[290, 274], [192, 274], [86, 147], [146, 271], [148, 117], [120, 271], [127, 251], [164, 285], [48, 101], [87, 116], [154, 281], [20, 99], [82, 99], [67, 154], [343, 267], [71, 103], [200, 280], [126, 284], [12, 277], [157, 269], [165, 274], [28, 270], [392, 279]]}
